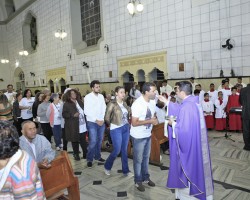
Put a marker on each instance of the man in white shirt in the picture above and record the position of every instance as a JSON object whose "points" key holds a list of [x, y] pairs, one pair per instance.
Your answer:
{"points": [[165, 89], [202, 92], [10, 94], [193, 83], [143, 119], [94, 109]]}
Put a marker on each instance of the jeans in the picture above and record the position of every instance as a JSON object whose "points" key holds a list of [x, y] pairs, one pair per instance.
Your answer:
{"points": [[57, 133], [141, 152], [120, 138], [96, 133]]}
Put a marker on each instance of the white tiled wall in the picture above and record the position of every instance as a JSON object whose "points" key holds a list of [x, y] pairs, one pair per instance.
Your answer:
{"points": [[186, 33]]}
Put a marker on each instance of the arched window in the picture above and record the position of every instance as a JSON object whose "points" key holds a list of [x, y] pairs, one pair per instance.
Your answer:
{"points": [[86, 25], [91, 21], [30, 33]]}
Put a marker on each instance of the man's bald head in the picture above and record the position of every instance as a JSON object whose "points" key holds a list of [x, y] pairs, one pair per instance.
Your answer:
{"points": [[29, 130]]}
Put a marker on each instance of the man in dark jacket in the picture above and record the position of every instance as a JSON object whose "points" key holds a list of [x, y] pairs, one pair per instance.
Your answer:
{"points": [[245, 102]]}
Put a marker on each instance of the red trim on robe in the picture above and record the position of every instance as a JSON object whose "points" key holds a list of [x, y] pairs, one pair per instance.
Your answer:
{"points": [[209, 121], [220, 124], [235, 122]]}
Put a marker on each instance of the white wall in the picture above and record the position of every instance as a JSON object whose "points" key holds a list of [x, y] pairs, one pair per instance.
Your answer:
{"points": [[4, 68], [171, 25], [19, 3]]}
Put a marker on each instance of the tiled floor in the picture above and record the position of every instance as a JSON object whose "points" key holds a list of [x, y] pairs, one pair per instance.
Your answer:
{"points": [[231, 172]]}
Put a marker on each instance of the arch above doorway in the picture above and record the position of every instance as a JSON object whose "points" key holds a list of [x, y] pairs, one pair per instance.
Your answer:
{"points": [[156, 75], [127, 77], [57, 77], [19, 79], [141, 75], [145, 62]]}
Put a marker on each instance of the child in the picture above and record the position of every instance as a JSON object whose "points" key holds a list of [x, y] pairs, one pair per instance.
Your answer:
{"points": [[220, 113], [197, 92], [235, 123], [208, 109], [172, 94], [213, 94]]}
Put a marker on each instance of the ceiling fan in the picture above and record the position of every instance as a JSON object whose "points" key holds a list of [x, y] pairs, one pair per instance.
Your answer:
{"points": [[228, 44]]}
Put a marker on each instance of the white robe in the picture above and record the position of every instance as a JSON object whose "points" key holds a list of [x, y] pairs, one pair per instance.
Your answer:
{"points": [[220, 112], [207, 107], [201, 96], [213, 95], [220, 87], [226, 94]]}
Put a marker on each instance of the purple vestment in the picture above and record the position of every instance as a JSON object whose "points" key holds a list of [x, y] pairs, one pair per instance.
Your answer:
{"points": [[189, 151]]}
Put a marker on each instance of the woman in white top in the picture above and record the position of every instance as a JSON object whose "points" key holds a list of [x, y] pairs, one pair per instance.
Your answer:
{"points": [[26, 105], [117, 116], [54, 114], [137, 92]]}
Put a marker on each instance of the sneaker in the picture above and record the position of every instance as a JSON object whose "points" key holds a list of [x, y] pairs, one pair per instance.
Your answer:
{"points": [[58, 148], [89, 164], [129, 174], [107, 172], [61, 145], [140, 187], [101, 160], [149, 182]]}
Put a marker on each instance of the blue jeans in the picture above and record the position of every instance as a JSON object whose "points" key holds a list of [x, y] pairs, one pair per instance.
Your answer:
{"points": [[96, 133], [141, 152], [120, 138], [57, 133]]}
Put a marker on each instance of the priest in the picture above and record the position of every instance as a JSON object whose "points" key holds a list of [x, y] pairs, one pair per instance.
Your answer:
{"points": [[190, 171]]}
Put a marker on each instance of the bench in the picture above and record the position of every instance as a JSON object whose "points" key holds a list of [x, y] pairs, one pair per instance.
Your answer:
{"points": [[60, 177], [157, 138]]}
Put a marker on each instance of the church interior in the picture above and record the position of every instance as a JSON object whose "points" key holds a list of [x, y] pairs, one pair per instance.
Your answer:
{"points": [[60, 44]]}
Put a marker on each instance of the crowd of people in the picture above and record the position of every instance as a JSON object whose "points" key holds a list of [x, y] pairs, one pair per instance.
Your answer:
{"points": [[31, 122]]}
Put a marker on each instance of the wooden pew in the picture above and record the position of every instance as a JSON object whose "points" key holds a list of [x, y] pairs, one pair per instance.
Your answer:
{"points": [[157, 138], [60, 177]]}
